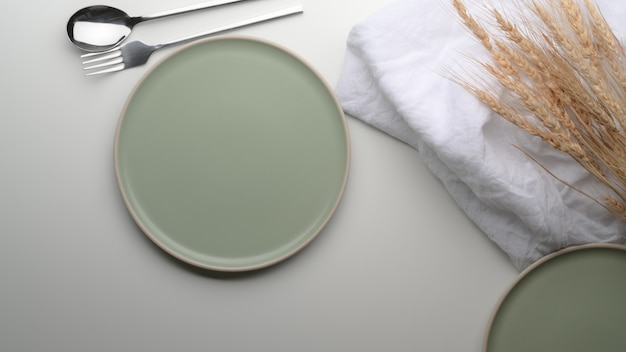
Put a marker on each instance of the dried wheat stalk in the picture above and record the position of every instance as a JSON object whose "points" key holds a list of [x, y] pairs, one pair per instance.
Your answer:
{"points": [[565, 70]]}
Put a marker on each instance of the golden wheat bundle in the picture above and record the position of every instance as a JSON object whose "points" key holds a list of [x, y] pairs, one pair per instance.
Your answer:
{"points": [[563, 70]]}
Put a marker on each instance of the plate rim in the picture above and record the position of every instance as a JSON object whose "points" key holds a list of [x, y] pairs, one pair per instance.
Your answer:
{"points": [[267, 263], [511, 286]]}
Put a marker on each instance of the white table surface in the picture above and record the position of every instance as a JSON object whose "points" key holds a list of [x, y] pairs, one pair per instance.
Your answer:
{"points": [[398, 268]]}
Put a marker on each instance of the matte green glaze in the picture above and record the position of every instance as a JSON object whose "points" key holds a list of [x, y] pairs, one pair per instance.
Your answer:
{"points": [[232, 154], [572, 302]]}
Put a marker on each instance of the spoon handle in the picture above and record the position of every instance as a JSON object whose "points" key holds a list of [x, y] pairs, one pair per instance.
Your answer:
{"points": [[201, 6], [243, 23]]}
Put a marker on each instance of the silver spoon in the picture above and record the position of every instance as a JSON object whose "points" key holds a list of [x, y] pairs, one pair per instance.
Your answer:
{"points": [[100, 28]]}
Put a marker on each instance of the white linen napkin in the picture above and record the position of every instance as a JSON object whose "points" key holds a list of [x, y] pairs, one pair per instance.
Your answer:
{"points": [[392, 79]]}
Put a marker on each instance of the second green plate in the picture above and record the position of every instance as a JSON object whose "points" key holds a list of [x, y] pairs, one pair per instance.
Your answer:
{"points": [[570, 301]]}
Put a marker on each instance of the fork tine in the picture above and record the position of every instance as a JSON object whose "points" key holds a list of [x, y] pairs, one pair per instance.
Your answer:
{"points": [[100, 52], [114, 61], [101, 56], [119, 67]]}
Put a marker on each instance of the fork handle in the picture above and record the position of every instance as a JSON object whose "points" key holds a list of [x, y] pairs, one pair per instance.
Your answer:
{"points": [[243, 23], [181, 10]]}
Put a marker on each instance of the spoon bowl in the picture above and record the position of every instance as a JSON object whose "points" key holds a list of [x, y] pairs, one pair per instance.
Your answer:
{"points": [[99, 28]]}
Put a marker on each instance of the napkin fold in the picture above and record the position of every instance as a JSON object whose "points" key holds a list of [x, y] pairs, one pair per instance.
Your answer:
{"points": [[396, 78]]}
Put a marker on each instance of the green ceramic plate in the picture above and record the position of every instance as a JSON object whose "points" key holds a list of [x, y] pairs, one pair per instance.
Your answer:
{"points": [[232, 154], [570, 301]]}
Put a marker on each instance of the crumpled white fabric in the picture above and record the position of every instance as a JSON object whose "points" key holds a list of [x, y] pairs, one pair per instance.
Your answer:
{"points": [[394, 78]]}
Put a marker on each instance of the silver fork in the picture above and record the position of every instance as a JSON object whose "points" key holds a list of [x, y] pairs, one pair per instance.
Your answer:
{"points": [[137, 53]]}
